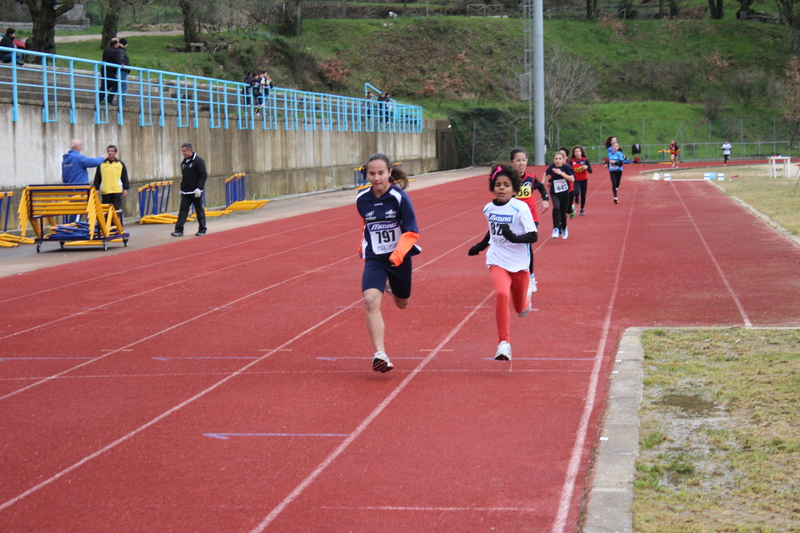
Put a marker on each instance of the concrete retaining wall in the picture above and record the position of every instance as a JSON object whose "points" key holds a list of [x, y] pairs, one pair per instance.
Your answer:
{"points": [[276, 162]]}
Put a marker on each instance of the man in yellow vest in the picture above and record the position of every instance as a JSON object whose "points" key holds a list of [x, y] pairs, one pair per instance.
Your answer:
{"points": [[111, 179]]}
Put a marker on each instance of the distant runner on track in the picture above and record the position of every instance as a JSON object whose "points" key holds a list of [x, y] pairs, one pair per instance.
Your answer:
{"points": [[529, 182], [389, 239], [511, 231]]}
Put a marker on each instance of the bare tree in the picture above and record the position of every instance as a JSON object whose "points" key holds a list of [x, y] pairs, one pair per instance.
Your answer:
{"points": [[591, 9], [111, 22], [189, 21], [44, 14], [292, 18], [569, 84], [790, 14]]}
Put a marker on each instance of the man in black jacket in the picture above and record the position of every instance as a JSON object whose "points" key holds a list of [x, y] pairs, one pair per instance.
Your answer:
{"points": [[193, 180], [110, 72]]}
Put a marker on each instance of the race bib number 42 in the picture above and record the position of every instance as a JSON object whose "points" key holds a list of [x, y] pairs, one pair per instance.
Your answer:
{"points": [[383, 236]]}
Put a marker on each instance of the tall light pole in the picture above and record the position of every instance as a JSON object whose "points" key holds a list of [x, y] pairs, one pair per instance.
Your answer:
{"points": [[532, 80]]}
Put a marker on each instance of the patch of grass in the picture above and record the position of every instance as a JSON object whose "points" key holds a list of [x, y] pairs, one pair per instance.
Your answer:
{"points": [[734, 468]]}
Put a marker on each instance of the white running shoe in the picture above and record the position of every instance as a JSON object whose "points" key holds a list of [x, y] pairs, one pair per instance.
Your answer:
{"points": [[380, 362], [555, 233], [531, 286], [503, 352], [527, 309], [565, 235]]}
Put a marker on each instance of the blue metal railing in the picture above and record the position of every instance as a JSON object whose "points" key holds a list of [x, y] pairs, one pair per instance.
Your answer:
{"points": [[63, 82]]}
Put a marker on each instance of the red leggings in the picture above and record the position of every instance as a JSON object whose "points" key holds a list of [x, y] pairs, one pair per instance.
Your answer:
{"points": [[511, 286]]}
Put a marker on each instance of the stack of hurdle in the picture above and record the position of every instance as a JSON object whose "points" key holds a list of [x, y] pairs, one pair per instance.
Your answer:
{"points": [[236, 195], [360, 178], [46, 202], [154, 203], [6, 240]]}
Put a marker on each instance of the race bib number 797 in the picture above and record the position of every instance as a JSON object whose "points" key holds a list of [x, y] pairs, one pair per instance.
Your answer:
{"points": [[383, 236]]}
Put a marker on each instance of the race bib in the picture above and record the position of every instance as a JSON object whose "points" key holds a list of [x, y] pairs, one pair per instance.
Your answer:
{"points": [[383, 236], [560, 186], [524, 191]]}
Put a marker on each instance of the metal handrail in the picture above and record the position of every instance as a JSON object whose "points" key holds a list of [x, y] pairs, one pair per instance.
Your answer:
{"points": [[220, 103]]}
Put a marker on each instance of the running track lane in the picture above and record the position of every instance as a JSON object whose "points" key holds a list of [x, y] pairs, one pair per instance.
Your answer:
{"points": [[448, 441]]}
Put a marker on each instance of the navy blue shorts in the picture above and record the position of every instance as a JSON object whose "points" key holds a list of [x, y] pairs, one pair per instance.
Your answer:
{"points": [[378, 270]]}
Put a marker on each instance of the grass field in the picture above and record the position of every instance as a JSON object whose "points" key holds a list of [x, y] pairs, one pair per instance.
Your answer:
{"points": [[720, 432]]}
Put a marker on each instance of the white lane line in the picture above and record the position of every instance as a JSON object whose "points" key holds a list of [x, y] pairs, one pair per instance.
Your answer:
{"points": [[216, 385], [163, 415], [591, 394], [174, 326], [364, 424], [434, 509], [722, 275]]}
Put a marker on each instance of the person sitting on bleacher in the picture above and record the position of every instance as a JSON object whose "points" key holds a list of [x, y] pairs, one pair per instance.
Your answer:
{"points": [[8, 42]]}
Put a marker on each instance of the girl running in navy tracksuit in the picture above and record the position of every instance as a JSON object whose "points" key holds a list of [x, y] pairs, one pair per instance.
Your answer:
{"points": [[511, 231], [388, 241]]}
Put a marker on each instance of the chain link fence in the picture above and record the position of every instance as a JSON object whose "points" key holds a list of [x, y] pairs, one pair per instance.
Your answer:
{"points": [[752, 138]]}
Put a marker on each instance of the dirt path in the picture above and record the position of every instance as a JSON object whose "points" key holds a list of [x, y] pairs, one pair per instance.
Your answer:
{"points": [[96, 37]]}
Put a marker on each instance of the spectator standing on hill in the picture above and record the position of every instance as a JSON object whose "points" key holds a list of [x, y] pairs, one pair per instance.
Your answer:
{"points": [[8, 42], [255, 90], [726, 152], [266, 87], [248, 87], [383, 102], [193, 180], [370, 98], [111, 179], [125, 62], [112, 60], [74, 164]]}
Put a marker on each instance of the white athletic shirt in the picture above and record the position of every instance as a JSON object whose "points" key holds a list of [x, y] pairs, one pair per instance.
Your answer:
{"points": [[510, 256]]}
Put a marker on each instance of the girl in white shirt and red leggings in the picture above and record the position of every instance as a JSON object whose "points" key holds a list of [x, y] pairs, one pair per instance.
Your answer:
{"points": [[511, 231]]}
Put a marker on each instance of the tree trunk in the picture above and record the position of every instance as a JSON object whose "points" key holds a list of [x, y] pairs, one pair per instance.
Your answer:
{"points": [[111, 22], [292, 18], [715, 9], [591, 9], [189, 23], [43, 15]]}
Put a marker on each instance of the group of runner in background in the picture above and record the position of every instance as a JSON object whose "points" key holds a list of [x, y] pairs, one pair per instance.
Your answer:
{"points": [[390, 232]]}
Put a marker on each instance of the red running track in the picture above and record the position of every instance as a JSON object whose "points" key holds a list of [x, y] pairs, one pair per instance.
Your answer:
{"points": [[224, 383]]}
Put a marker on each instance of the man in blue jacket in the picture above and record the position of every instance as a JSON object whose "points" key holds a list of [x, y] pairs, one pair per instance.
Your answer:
{"points": [[74, 165]]}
